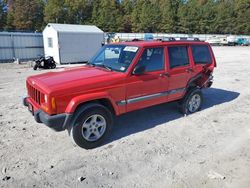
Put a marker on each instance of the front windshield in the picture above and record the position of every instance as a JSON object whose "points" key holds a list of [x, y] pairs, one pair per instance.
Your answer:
{"points": [[115, 57]]}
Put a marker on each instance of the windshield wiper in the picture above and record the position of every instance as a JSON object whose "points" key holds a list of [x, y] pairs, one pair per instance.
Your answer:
{"points": [[104, 66], [99, 65], [90, 64]]}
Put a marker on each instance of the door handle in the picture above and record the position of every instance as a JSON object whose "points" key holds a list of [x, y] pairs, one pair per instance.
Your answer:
{"points": [[189, 70], [164, 75]]}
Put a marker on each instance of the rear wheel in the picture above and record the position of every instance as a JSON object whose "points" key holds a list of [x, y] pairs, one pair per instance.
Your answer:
{"points": [[35, 67], [53, 66], [192, 101], [92, 125]]}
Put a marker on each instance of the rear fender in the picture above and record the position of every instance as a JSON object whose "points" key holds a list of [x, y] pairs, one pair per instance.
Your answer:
{"points": [[201, 80], [193, 82]]}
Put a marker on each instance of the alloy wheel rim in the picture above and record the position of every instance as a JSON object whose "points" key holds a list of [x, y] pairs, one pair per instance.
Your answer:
{"points": [[194, 103], [93, 127]]}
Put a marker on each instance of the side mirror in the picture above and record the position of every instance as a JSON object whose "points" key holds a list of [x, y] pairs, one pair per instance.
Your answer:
{"points": [[115, 51], [139, 69]]}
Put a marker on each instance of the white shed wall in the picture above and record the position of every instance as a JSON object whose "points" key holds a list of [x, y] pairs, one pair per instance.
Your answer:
{"points": [[53, 51], [72, 43], [79, 47]]}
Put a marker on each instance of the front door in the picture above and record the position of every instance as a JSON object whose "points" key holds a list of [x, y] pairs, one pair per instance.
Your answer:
{"points": [[148, 88]]}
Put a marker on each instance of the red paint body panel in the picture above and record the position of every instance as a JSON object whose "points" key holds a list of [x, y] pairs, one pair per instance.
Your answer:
{"points": [[147, 84], [74, 86]]}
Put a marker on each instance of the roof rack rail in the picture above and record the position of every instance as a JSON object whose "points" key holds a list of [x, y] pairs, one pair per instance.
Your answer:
{"points": [[135, 39], [188, 38], [166, 39]]}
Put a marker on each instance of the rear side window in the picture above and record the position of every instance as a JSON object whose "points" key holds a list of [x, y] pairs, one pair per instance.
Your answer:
{"points": [[178, 56], [201, 54]]}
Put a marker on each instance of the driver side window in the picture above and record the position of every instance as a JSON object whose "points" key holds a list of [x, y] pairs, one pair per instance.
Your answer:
{"points": [[152, 59]]}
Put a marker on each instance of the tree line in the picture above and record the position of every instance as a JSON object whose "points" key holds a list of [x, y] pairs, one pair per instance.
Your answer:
{"points": [[148, 16]]}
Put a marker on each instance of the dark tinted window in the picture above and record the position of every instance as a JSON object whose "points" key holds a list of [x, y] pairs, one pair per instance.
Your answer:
{"points": [[153, 59], [178, 56], [201, 54]]}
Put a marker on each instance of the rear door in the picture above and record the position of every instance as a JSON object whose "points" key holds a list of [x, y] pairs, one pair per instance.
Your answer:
{"points": [[179, 69]]}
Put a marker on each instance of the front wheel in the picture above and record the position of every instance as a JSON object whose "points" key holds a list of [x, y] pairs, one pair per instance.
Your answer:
{"points": [[192, 101], [92, 125]]}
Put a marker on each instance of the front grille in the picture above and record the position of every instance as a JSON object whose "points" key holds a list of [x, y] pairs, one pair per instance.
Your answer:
{"points": [[34, 93]]}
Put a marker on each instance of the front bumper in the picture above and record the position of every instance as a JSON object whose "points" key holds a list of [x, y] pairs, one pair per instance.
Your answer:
{"points": [[57, 122]]}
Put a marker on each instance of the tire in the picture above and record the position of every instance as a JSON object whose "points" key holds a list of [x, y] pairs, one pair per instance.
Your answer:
{"points": [[191, 102], [53, 66], [92, 124], [35, 67]]}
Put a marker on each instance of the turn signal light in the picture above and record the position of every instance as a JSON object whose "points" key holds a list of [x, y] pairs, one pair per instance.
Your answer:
{"points": [[53, 104]]}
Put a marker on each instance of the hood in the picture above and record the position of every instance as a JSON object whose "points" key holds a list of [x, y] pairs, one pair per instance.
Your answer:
{"points": [[72, 77]]}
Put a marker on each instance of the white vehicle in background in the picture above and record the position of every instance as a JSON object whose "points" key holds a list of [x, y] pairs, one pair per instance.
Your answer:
{"points": [[214, 41], [223, 41], [231, 40]]}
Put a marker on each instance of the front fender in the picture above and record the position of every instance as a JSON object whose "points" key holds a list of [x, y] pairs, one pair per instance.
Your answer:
{"points": [[76, 101]]}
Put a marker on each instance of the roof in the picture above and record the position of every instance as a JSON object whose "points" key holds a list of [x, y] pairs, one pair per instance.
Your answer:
{"points": [[4, 33], [75, 28], [159, 43]]}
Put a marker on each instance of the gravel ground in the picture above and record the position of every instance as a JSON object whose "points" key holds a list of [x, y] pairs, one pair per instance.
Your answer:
{"points": [[210, 148]]}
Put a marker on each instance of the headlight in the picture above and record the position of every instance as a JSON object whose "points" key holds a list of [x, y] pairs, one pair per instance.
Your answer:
{"points": [[44, 102], [46, 99]]}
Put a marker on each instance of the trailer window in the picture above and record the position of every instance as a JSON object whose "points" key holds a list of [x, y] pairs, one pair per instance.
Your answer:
{"points": [[50, 42], [201, 54]]}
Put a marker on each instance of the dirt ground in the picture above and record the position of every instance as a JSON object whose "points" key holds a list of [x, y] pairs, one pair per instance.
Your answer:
{"points": [[153, 147]]}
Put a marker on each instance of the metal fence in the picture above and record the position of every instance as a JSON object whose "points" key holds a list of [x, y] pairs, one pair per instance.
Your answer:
{"points": [[22, 46], [203, 37]]}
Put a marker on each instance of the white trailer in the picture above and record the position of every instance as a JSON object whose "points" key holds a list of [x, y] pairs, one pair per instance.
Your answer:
{"points": [[68, 43]]}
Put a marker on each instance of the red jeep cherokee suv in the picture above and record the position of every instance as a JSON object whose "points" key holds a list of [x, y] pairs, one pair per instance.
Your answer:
{"points": [[120, 78]]}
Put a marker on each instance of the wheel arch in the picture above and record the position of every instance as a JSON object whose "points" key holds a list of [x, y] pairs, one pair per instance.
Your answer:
{"points": [[102, 101], [100, 98], [193, 82]]}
